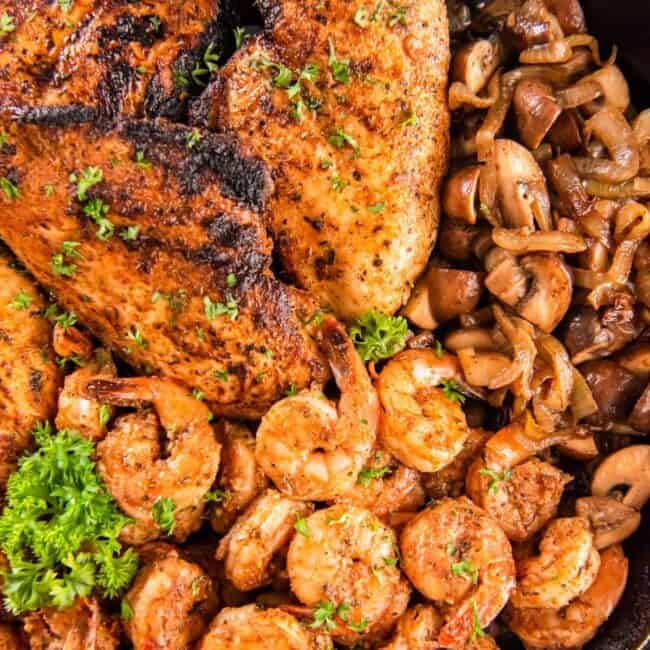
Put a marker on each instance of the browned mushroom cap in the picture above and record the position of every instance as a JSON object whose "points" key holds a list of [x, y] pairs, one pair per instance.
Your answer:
{"points": [[627, 467], [450, 293], [563, 176], [538, 287], [478, 338], [569, 14], [456, 239], [580, 448], [459, 198], [532, 24], [521, 187], [565, 133], [640, 416], [610, 520], [614, 388], [641, 128], [476, 62], [536, 109], [636, 359]]}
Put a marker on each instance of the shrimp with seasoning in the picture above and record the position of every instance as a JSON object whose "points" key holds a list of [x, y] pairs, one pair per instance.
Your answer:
{"points": [[131, 461], [457, 556], [574, 625], [252, 628], [240, 478], [345, 559], [172, 601], [264, 530], [566, 566], [520, 491], [385, 486], [421, 424], [307, 447], [76, 410]]}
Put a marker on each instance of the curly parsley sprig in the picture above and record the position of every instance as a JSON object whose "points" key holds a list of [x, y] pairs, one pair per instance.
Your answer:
{"points": [[377, 336], [60, 526]]}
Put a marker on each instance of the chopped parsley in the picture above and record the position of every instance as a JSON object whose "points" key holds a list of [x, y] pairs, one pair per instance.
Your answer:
{"points": [[465, 569], [60, 528], [126, 612], [326, 610], [240, 34], [366, 476], [302, 527], [409, 119], [12, 192], [163, 514], [397, 15], [87, 178], [231, 280], [216, 496], [6, 24], [197, 393], [66, 320], [451, 392], [221, 374], [130, 233], [214, 309], [65, 5], [340, 67], [377, 336], [4, 136], [104, 415], [209, 65], [48, 190], [136, 336], [96, 209], [193, 138], [361, 17], [291, 390], [477, 630], [58, 262], [377, 208], [21, 300], [340, 139], [141, 161], [338, 183], [496, 478]]}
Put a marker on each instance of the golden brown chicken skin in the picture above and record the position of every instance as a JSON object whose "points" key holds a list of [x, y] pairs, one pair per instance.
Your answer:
{"points": [[29, 375], [117, 56], [164, 258], [346, 103]]}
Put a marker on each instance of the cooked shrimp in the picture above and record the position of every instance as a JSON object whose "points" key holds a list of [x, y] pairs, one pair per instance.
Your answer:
{"points": [[240, 478], [84, 626], [417, 629], [524, 497], [71, 342], [574, 625], [419, 424], [76, 410], [29, 376], [251, 628], [250, 546], [347, 560], [384, 486], [566, 566], [130, 462], [304, 446], [459, 557], [172, 601]]}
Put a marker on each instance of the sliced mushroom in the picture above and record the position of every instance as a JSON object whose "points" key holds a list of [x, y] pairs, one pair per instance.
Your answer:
{"points": [[563, 176], [641, 128], [532, 24], [522, 193], [476, 62], [505, 279], [565, 133], [460, 196], [627, 467], [636, 359], [526, 240], [451, 292], [479, 368], [456, 239], [580, 448], [615, 390], [477, 338], [610, 520], [569, 14], [613, 85], [640, 417], [536, 109]]}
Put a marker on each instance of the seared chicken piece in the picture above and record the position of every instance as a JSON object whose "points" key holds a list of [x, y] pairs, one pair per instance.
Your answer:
{"points": [[29, 375], [346, 103], [156, 244], [121, 56]]}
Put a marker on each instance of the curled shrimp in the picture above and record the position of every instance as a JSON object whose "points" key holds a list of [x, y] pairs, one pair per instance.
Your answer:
{"points": [[250, 546], [130, 462], [308, 449], [252, 628], [460, 558], [240, 478], [566, 566], [76, 410], [520, 492], [172, 601], [347, 559], [577, 623], [71, 342], [385, 486], [420, 425], [84, 626]]}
